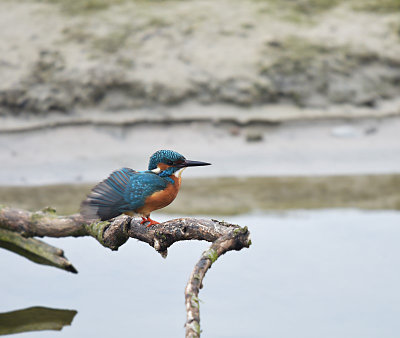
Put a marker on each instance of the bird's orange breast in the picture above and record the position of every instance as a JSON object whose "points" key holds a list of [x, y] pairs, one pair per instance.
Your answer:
{"points": [[162, 198]]}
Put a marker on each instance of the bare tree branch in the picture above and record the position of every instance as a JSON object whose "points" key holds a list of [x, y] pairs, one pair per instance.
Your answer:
{"points": [[35, 250], [112, 234], [236, 239]]}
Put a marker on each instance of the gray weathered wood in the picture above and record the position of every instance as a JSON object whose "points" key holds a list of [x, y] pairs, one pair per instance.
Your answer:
{"points": [[114, 233]]}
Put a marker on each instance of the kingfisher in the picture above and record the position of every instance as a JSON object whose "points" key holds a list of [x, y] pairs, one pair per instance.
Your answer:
{"points": [[131, 192]]}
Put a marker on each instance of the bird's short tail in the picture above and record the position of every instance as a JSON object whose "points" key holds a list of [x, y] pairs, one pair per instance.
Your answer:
{"points": [[106, 200]]}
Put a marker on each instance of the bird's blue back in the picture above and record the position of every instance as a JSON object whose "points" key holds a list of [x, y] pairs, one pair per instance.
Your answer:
{"points": [[141, 185], [124, 190]]}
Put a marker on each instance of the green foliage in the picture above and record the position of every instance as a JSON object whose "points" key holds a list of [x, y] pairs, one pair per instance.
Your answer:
{"points": [[84, 6], [292, 10], [305, 11], [298, 11], [74, 7], [382, 6]]}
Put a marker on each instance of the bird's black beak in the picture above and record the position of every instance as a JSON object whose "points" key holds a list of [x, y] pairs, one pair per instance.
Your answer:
{"points": [[188, 163]]}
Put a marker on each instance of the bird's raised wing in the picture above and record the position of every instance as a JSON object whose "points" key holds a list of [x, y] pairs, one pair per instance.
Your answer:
{"points": [[124, 190]]}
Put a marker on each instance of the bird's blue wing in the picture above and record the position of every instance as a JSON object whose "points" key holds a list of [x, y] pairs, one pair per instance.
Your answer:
{"points": [[124, 190], [141, 186]]}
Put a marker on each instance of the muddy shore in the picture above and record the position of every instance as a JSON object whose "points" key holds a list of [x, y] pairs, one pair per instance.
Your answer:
{"points": [[70, 57]]}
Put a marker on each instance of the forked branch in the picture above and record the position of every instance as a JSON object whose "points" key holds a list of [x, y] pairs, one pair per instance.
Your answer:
{"points": [[18, 225]]}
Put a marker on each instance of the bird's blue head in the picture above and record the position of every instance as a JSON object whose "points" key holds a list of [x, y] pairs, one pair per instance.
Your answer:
{"points": [[167, 162]]}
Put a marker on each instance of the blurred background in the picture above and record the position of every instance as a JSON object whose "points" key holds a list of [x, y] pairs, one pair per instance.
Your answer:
{"points": [[296, 103]]}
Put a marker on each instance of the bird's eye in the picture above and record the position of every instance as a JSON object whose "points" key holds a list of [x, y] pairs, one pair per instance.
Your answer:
{"points": [[169, 162]]}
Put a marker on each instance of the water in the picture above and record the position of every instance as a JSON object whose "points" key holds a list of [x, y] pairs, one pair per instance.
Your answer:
{"points": [[329, 273]]}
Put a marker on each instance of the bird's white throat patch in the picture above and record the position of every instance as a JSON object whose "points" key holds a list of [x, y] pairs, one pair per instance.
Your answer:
{"points": [[179, 172]]}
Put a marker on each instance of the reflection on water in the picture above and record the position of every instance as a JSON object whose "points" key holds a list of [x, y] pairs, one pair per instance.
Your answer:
{"points": [[35, 319], [236, 195], [329, 273]]}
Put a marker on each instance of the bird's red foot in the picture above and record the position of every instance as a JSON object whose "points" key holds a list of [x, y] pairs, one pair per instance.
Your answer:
{"points": [[148, 219]]}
